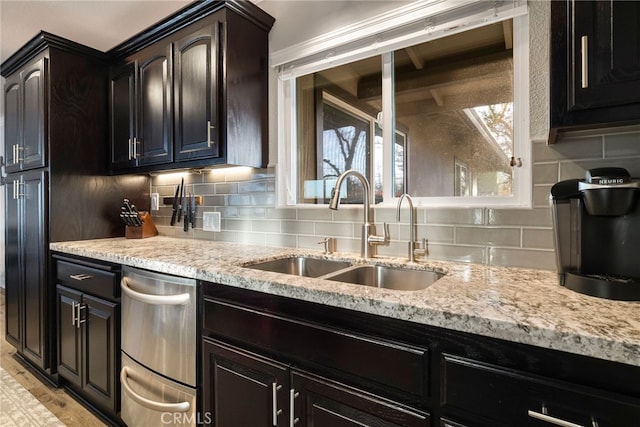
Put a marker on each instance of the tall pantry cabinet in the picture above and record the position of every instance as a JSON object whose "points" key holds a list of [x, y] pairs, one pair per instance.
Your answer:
{"points": [[57, 185]]}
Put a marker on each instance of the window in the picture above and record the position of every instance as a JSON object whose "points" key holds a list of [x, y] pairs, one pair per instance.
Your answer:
{"points": [[455, 102]]}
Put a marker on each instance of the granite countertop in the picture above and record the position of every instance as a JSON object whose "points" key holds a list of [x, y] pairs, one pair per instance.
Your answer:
{"points": [[520, 305]]}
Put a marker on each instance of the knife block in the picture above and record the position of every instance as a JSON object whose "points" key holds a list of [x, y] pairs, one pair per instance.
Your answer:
{"points": [[147, 229]]}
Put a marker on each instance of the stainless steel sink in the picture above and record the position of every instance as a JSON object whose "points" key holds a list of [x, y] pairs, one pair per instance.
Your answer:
{"points": [[301, 266], [379, 276]]}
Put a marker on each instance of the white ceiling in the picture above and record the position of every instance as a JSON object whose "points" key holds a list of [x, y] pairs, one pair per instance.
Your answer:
{"points": [[100, 24]]}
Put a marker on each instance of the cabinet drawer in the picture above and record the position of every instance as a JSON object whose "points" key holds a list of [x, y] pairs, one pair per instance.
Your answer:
{"points": [[491, 395], [397, 370], [88, 279]]}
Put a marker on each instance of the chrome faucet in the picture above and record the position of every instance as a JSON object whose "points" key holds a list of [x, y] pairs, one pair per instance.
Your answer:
{"points": [[370, 241], [413, 245]]}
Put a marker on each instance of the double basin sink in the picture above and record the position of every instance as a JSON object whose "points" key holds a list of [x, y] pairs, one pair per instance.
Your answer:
{"points": [[374, 275]]}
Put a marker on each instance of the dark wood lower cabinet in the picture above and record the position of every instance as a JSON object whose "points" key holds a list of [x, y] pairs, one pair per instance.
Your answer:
{"points": [[490, 395], [321, 402], [245, 389], [335, 367], [86, 342], [88, 326], [69, 336]]}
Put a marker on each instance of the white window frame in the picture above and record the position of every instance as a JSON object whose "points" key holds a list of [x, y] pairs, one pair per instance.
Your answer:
{"points": [[409, 25]]}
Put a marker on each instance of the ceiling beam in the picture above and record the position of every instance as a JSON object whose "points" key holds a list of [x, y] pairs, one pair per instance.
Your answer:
{"points": [[437, 75]]}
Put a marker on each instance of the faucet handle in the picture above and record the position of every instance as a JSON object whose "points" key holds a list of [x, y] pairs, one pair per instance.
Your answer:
{"points": [[422, 248], [387, 234], [329, 245], [381, 240]]}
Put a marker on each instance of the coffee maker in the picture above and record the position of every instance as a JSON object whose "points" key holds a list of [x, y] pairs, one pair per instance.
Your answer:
{"points": [[596, 224]]}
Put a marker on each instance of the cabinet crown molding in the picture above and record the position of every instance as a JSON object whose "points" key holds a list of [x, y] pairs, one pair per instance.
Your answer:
{"points": [[38, 44], [186, 16]]}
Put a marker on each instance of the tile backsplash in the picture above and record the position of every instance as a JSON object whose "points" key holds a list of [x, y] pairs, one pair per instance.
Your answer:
{"points": [[246, 198]]}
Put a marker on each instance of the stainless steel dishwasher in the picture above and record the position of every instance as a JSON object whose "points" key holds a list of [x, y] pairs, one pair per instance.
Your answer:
{"points": [[158, 349]]}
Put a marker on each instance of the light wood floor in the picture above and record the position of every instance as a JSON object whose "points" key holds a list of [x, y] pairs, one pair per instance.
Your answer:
{"points": [[67, 409]]}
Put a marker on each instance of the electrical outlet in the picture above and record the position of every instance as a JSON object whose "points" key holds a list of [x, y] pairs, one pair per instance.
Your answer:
{"points": [[155, 201], [211, 221]]}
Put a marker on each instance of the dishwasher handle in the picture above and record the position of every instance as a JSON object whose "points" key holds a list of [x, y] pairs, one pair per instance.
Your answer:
{"points": [[147, 403], [179, 299]]}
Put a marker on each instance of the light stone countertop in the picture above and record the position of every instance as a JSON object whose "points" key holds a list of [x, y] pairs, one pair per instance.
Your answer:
{"points": [[520, 305]]}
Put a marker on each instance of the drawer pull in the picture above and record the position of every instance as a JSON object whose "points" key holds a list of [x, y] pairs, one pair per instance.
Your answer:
{"points": [[154, 405], [80, 277], [543, 416], [178, 299]]}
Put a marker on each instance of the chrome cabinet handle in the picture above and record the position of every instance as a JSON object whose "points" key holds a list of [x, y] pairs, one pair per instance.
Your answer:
{"points": [[73, 313], [584, 49], [178, 299], [16, 153], [130, 156], [274, 389], [292, 407], [17, 190], [79, 319], [80, 277], [125, 374], [543, 416], [209, 141], [135, 147]]}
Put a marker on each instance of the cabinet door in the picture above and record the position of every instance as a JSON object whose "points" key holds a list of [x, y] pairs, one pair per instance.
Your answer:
{"points": [[34, 262], [318, 402], [99, 319], [607, 41], [12, 120], [594, 64], [155, 113], [196, 86], [122, 130], [243, 389], [13, 262], [489, 395], [33, 81], [69, 358]]}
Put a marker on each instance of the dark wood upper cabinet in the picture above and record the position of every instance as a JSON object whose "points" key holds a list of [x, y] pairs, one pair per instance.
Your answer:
{"points": [[196, 94], [595, 64], [141, 122], [201, 87], [25, 117], [122, 93], [154, 142]]}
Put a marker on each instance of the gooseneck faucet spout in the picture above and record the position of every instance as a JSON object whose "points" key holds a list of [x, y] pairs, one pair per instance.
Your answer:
{"points": [[413, 245], [369, 239], [412, 225]]}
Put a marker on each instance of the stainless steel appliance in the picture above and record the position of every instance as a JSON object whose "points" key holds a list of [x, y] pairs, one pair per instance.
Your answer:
{"points": [[158, 349], [596, 222]]}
